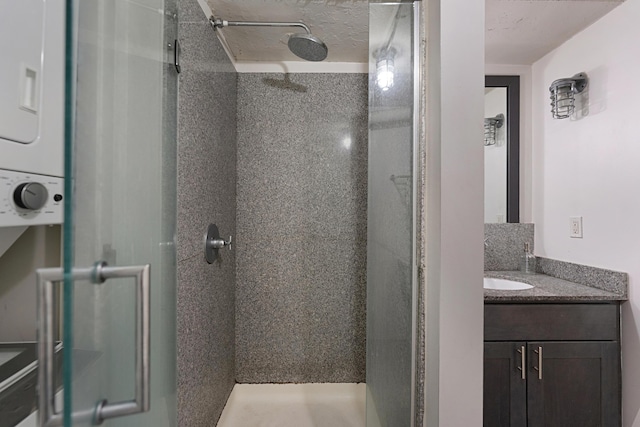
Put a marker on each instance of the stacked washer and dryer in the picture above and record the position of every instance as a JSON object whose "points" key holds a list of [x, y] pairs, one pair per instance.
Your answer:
{"points": [[32, 43], [31, 112]]}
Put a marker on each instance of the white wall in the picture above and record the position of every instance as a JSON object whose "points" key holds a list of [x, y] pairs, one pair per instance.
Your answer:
{"points": [[590, 167], [454, 212]]}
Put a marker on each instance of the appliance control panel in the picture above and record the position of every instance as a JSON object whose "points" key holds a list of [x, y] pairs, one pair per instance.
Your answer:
{"points": [[30, 199]]}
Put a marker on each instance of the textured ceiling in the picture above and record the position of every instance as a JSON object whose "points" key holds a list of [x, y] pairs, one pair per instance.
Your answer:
{"points": [[523, 31], [342, 25], [517, 31]]}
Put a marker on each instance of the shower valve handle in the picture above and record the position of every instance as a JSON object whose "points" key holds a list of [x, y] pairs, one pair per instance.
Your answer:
{"points": [[213, 243], [221, 243]]}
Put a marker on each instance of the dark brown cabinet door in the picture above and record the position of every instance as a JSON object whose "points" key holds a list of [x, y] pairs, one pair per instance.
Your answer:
{"points": [[505, 391], [573, 384]]}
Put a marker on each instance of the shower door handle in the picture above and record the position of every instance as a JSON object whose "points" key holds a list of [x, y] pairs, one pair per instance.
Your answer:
{"points": [[176, 56], [97, 274]]}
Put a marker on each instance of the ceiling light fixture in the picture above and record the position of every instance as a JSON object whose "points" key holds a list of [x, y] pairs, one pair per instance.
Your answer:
{"points": [[563, 93]]}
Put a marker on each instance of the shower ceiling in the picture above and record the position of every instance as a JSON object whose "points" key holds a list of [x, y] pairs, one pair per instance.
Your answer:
{"points": [[517, 31], [342, 25]]}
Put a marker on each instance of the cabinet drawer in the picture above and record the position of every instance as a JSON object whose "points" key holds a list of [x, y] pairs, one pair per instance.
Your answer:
{"points": [[557, 322]]}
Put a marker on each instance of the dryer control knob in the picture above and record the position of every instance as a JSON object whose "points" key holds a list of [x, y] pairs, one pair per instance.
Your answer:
{"points": [[30, 195]]}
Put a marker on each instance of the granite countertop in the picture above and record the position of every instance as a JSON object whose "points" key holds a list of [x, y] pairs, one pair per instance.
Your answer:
{"points": [[546, 289]]}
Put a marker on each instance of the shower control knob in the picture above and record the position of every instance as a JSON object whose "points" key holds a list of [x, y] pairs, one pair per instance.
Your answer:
{"points": [[30, 195], [220, 243], [213, 243]]}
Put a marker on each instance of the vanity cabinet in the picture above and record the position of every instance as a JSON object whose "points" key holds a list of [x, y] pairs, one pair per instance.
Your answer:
{"points": [[552, 365]]}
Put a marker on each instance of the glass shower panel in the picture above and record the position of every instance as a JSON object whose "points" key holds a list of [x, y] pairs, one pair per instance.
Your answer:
{"points": [[121, 166], [391, 216]]}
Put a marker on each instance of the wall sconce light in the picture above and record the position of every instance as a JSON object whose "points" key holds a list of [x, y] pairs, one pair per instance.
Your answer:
{"points": [[385, 68], [563, 95], [491, 126]]}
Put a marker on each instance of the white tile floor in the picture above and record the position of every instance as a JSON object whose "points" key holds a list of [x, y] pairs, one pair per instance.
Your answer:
{"points": [[295, 405]]}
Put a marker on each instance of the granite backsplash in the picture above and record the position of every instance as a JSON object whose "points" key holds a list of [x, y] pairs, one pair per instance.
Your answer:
{"points": [[504, 244], [599, 278]]}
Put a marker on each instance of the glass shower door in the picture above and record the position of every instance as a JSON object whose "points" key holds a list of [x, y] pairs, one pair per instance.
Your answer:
{"points": [[119, 331], [391, 240]]}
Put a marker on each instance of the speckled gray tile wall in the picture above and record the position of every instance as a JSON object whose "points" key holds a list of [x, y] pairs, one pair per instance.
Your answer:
{"points": [[206, 193], [301, 231], [190, 11], [504, 244]]}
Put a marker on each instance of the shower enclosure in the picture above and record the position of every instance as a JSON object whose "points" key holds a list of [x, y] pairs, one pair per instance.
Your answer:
{"points": [[392, 297], [119, 275]]}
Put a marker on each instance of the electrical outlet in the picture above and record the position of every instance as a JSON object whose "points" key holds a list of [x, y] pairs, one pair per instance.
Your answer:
{"points": [[575, 227]]}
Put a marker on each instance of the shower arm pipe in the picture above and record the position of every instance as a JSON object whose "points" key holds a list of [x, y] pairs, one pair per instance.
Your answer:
{"points": [[221, 23]]}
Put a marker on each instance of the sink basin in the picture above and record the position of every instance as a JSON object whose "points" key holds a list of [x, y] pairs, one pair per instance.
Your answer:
{"points": [[505, 285]]}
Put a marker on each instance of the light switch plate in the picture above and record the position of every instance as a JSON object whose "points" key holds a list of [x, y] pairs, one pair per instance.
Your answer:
{"points": [[575, 227]]}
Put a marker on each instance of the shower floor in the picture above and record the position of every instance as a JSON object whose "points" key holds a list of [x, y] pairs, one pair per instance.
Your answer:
{"points": [[295, 405]]}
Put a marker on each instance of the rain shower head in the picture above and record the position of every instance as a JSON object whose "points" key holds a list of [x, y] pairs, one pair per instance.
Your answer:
{"points": [[303, 45], [308, 46]]}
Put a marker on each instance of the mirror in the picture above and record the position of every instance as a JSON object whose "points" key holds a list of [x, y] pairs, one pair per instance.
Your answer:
{"points": [[502, 149]]}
